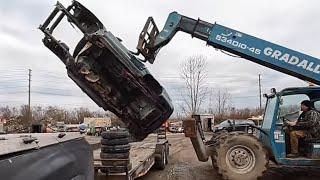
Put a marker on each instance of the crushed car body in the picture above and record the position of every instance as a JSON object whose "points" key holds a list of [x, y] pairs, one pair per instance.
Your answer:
{"points": [[111, 75]]}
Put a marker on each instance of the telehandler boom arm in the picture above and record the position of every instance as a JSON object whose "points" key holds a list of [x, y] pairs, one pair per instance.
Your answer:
{"points": [[268, 54]]}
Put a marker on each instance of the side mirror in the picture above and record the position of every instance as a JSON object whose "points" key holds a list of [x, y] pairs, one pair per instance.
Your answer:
{"points": [[273, 91]]}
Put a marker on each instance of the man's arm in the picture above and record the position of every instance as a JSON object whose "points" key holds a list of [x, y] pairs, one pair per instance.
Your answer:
{"points": [[311, 119]]}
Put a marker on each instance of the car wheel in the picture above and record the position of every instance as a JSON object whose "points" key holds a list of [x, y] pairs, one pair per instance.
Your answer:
{"points": [[160, 158], [119, 141], [114, 155], [115, 149], [115, 134]]}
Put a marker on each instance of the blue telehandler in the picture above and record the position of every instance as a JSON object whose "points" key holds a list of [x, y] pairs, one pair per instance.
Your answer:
{"points": [[239, 155]]}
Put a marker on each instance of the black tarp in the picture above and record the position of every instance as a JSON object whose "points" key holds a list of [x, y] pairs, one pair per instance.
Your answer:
{"points": [[63, 161]]}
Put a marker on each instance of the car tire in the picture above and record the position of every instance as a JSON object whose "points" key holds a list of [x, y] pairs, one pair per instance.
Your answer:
{"points": [[115, 149], [116, 169], [167, 151], [115, 134], [115, 163], [160, 157], [114, 155], [111, 142]]}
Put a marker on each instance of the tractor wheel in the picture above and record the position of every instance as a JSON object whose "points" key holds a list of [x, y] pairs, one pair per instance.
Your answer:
{"points": [[217, 138], [241, 156]]}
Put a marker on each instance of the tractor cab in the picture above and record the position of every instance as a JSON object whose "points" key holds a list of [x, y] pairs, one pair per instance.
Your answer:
{"points": [[282, 107]]}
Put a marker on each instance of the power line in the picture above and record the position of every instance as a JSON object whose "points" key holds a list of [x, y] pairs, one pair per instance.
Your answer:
{"points": [[12, 70], [13, 75], [55, 89], [55, 94], [11, 87], [19, 92]]}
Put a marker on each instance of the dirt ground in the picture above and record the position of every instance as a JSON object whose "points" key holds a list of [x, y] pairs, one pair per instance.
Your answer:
{"points": [[184, 165]]}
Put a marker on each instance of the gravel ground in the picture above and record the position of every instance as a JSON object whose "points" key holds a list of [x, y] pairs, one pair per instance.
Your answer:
{"points": [[184, 165]]}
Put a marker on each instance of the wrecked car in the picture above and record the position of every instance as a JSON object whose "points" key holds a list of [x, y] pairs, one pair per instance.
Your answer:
{"points": [[111, 75]]}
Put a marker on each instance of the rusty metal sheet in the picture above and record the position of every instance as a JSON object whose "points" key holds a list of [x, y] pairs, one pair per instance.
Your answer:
{"points": [[190, 128]]}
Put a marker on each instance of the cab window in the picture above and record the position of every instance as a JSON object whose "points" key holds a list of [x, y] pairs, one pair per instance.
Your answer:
{"points": [[290, 106], [317, 105]]}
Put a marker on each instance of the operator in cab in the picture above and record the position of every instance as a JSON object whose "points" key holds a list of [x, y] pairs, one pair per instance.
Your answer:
{"points": [[307, 126]]}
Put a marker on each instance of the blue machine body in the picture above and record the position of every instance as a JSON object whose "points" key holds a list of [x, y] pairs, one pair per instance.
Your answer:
{"points": [[274, 136], [268, 54]]}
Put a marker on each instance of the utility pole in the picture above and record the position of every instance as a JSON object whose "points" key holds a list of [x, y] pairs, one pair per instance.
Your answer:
{"points": [[260, 92], [29, 97]]}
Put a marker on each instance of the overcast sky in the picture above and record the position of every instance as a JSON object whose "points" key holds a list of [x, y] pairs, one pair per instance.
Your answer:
{"points": [[290, 23]]}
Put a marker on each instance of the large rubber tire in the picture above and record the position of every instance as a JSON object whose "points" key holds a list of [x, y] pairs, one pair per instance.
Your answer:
{"points": [[167, 151], [114, 155], [111, 142], [115, 134], [160, 157], [116, 148], [218, 138], [241, 157]]}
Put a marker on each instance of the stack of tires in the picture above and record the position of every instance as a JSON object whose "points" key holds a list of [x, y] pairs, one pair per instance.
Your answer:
{"points": [[115, 151]]}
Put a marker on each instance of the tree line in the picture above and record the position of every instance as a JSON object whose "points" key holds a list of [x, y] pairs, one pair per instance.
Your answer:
{"points": [[198, 98], [17, 118]]}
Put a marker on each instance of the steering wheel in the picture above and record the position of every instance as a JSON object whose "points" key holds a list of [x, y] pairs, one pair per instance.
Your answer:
{"points": [[285, 125]]}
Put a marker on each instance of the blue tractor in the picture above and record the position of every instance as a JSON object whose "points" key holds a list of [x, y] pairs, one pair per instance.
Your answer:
{"points": [[240, 155]]}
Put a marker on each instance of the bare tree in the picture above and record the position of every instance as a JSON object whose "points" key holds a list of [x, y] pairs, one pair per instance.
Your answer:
{"points": [[82, 113], [8, 112], [222, 103], [194, 73], [210, 108]]}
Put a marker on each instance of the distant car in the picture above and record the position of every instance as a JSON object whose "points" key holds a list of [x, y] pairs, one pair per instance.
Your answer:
{"points": [[235, 125], [175, 129], [83, 128], [61, 127], [110, 74]]}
